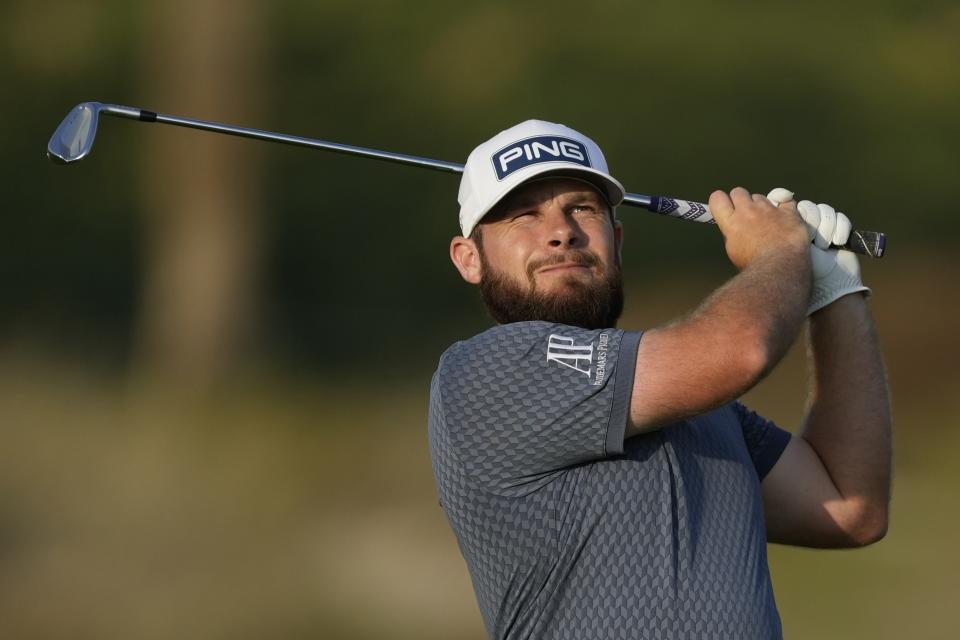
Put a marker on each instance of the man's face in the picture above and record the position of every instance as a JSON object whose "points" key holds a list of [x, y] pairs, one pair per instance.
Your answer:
{"points": [[549, 251]]}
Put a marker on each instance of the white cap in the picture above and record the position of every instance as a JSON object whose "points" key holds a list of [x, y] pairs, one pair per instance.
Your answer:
{"points": [[527, 150]]}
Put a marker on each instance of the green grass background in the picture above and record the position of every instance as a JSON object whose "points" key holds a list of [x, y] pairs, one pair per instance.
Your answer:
{"points": [[291, 496], [290, 508]]}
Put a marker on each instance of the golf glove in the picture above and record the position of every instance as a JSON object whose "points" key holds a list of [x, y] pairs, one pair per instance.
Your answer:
{"points": [[836, 272]]}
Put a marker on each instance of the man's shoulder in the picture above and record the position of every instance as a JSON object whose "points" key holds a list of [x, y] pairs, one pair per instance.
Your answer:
{"points": [[498, 336], [507, 353], [475, 369], [518, 339]]}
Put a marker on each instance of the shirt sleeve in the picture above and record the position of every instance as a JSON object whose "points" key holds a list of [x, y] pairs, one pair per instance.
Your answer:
{"points": [[765, 440], [522, 401]]}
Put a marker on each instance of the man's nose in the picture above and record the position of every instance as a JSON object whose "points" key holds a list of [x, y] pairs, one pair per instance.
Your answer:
{"points": [[563, 231]]}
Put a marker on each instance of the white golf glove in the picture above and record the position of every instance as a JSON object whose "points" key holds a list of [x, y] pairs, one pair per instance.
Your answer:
{"points": [[836, 272]]}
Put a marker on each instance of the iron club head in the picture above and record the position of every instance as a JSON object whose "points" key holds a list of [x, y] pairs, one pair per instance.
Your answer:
{"points": [[73, 139]]}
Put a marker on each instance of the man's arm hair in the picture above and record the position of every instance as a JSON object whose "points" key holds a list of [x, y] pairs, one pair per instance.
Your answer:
{"points": [[723, 348], [831, 486]]}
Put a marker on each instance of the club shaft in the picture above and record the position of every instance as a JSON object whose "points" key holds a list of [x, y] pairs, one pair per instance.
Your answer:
{"points": [[270, 136], [144, 115], [863, 242]]}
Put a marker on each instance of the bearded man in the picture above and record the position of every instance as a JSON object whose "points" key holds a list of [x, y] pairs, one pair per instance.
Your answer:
{"points": [[607, 483]]}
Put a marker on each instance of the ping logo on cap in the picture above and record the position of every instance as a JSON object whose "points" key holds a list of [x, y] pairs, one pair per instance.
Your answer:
{"points": [[524, 153]]}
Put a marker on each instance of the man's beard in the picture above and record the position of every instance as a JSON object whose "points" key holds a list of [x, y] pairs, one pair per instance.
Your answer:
{"points": [[591, 305]]}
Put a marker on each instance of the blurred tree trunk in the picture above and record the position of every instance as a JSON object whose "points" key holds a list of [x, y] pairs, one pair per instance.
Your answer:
{"points": [[202, 59]]}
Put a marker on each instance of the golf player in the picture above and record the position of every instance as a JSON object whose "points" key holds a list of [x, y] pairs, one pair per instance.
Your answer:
{"points": [[607, 483]]}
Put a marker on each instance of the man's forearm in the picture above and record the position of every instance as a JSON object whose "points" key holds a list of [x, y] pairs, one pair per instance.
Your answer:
{"points": [[724, 347], [771, 290], [848, 423]]}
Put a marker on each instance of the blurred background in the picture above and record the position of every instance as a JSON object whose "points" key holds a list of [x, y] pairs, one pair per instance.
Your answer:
{"points": [[215, 353]]}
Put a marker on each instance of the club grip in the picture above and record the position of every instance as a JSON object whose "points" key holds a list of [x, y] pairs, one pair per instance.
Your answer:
{"points": [[866, 243]]}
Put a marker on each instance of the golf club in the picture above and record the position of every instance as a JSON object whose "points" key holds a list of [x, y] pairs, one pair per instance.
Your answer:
{"points": [[73, 140]]}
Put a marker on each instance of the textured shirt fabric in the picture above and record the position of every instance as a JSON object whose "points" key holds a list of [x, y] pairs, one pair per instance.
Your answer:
{"points": [[571, 531]]}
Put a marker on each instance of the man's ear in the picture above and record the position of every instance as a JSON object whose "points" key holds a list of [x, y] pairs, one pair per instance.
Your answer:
{"points": [[466, 258]]}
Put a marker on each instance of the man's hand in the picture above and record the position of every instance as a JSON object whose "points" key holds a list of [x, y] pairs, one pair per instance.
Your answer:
{"points": [[836, 272], [753, 226]]}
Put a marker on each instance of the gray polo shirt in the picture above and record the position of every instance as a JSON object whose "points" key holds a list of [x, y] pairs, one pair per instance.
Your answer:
{"points": [[571, 531]]}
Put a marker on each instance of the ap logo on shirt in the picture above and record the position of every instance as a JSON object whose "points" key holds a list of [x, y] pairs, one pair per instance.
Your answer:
{"points": [[566, 352]]}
